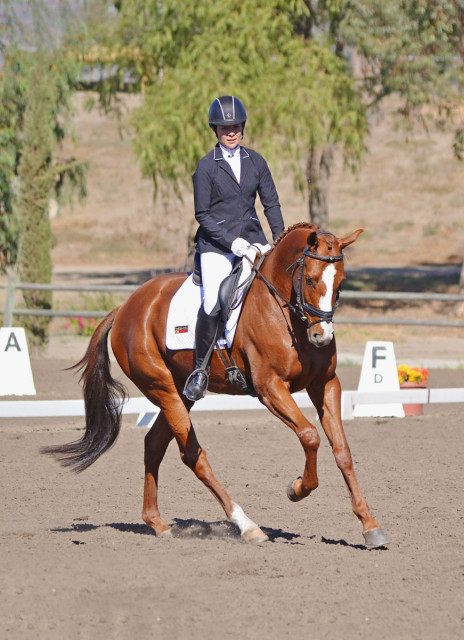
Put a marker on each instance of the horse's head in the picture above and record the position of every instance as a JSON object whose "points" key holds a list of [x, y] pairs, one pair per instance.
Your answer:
{"points": [[317, 276]]}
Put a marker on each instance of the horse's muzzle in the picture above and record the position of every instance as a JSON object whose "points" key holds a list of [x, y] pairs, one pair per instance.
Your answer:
{"points": [[320, 335]]}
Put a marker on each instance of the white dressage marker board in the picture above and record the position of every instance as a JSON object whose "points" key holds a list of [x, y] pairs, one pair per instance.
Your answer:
{"points": [[15, 367], [379, 373]]}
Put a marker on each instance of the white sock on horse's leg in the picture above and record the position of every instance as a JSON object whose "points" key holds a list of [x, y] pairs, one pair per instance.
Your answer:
{"points": [[249, 530]]}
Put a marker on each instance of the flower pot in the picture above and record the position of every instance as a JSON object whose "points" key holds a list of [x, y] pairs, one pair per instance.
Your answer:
{"points": [[413, 409]]}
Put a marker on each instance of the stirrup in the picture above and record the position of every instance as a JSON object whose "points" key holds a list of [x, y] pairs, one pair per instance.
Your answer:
{"points": [[198, 387]]}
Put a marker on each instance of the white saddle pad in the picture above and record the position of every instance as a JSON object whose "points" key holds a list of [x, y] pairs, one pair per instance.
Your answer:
{"points": [[183, 311]]}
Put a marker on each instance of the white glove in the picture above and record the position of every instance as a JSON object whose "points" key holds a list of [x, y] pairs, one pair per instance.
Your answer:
{"points": [[240, 247], [263, 248]]}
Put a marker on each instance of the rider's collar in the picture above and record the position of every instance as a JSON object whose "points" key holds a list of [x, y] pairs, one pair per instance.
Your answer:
{"points": [[230, 153]]}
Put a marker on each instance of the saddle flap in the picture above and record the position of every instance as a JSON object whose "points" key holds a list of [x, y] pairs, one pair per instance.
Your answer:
{"points": [[228, 290]]}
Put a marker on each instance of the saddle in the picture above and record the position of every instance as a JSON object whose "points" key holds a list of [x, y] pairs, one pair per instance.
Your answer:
{"points": [[228, 297]]}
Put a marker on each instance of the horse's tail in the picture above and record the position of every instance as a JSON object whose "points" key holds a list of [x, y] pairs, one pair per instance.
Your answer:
{"points": [[103, 397]]}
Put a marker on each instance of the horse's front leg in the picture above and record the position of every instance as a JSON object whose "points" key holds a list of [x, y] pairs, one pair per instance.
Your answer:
{"points": [[276, 396], [327, 400]]}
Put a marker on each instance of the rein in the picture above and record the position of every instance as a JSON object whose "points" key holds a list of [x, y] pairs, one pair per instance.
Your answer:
{"points": [[302, 307]]}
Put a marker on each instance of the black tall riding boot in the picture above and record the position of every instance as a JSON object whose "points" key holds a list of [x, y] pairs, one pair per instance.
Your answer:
{"points": [[205, 337]]}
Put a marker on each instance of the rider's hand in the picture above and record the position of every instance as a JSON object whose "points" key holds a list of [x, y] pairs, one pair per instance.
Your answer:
{"points": [[240, 247], [263, 248]]}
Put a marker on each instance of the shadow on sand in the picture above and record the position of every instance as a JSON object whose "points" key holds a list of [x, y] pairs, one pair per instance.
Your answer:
{"points": [[344, 543], [191, 528]]}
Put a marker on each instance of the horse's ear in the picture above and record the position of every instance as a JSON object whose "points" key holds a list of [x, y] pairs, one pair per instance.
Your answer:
{"points": [[344, 242], [312, 241]]}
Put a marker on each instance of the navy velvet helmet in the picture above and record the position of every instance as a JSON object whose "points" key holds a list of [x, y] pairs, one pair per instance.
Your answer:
{"points": [[226, 110]]}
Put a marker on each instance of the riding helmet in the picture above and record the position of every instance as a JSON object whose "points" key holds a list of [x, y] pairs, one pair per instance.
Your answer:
{"points": [[226, 110]]}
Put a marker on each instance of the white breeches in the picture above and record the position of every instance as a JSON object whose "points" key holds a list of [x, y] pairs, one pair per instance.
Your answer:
{"points": [[214, 268]]}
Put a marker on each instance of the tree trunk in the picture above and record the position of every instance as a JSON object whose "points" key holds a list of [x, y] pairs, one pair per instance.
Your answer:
{"points": [[318, 176]]}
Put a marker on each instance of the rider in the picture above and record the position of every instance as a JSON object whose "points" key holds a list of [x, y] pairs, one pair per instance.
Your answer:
{"points": [[225, 185]]}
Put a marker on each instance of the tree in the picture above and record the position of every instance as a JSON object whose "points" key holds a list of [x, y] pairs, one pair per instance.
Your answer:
{"points": [[12, 89], [414, 49], [36, 179], [411, 48], [184, 52], [19, 44], [290, 63]]}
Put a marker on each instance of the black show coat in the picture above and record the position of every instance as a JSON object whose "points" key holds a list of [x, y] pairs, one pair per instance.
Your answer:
{"points": [[225, 209]]}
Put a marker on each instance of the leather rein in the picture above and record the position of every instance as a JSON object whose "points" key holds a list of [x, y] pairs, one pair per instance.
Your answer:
{"points": [[302, 307]]}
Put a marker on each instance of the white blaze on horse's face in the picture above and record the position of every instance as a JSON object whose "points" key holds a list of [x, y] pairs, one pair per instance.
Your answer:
{"points": [[324, 331]]}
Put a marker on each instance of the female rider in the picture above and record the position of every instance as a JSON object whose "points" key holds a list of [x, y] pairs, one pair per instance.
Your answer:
{"points": [[225, 185]]}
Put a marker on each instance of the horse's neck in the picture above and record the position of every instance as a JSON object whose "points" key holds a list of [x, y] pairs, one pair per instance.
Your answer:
{"points": [[275, 270]]}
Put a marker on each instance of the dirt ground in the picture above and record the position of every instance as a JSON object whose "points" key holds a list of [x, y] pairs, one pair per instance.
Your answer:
{"points": [[78, 562]]}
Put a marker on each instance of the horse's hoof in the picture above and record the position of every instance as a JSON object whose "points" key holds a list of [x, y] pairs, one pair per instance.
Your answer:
{"points": [[161, 531], [255, 536], [375, 538], [291, 492]]}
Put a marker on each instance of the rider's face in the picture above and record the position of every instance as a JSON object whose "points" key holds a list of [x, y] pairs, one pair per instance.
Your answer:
{"points": [[230, 135]]}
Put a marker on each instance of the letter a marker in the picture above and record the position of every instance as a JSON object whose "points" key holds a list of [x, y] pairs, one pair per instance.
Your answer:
{"points": [[15, 367]]}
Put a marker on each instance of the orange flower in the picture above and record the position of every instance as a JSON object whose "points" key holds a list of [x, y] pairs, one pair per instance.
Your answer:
{"points": [[412, 374]]}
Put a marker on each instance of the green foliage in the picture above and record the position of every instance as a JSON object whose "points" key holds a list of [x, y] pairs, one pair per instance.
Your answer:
{"points": [[36, 179], [81, 326], [19, 45], [289, 62], [412, 48], [12, 90], [101, 301], [186, 53]]}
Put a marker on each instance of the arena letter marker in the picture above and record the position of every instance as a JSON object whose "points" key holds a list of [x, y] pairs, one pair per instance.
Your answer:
{"points": [[379, 373], [15, 367]]}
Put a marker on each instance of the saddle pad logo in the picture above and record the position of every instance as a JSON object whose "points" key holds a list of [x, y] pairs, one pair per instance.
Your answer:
{"points": [[181, 329]]}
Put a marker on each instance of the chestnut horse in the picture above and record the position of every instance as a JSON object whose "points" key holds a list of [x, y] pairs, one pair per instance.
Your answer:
{"points": [[284, 343]]}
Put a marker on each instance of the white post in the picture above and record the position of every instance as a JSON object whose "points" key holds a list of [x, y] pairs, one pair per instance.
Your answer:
{"points": [[379, 373], [15, 366]]}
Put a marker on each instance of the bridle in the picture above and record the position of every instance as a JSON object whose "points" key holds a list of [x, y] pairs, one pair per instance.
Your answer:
{"points": [[301, 304], [302, 308]]}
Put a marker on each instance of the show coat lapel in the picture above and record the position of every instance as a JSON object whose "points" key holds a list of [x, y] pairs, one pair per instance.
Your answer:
{"points": [[223, 164], [244, 164]]}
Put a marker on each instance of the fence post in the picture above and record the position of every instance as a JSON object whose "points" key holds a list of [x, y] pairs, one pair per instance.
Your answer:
{"points": [[9, 304]]}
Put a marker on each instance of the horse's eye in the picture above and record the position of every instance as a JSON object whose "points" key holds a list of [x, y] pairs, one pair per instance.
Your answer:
{"points": [[309, 281]]}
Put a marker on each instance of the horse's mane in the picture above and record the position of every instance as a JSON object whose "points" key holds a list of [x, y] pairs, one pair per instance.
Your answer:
{"points": [[299, 225]]}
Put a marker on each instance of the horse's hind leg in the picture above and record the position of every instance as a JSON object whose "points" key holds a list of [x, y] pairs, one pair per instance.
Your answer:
{"points": [[327, 401], [156, 443], [194, 456]]}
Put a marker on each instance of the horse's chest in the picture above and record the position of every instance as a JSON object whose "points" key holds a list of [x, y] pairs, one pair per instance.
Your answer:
{"points": [[307, 368]]}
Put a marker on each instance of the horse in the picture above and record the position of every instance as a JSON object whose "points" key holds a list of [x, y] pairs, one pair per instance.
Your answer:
{"points": [[284, 343]]}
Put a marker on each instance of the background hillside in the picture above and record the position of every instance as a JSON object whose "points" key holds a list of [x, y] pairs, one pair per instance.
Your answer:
{"points": [[408, 197]]}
